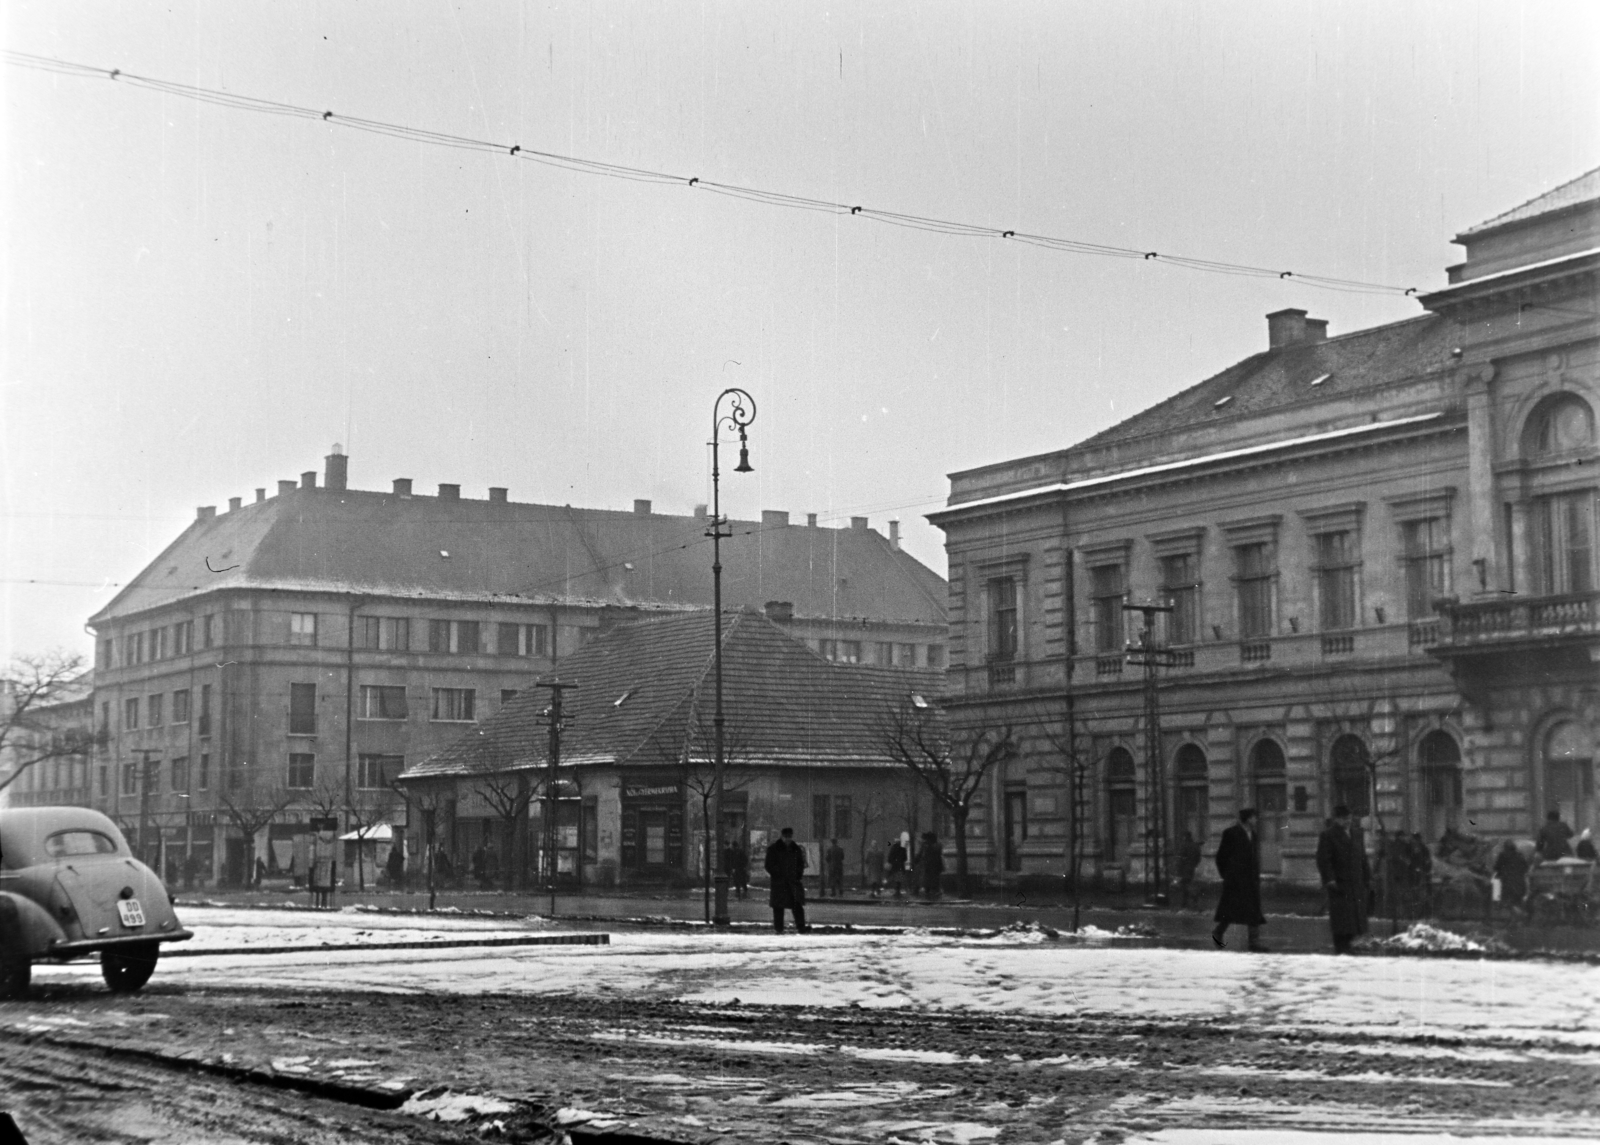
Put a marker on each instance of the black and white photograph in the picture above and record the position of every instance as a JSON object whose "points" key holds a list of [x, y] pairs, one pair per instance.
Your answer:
{"points": [[825, 572]]}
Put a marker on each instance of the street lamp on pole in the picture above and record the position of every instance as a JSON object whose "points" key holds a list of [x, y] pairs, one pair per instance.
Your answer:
{"points": [[741, 411]]}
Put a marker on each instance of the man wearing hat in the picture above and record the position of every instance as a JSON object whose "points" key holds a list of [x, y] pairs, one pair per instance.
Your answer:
{"points": [[1346, 876]]}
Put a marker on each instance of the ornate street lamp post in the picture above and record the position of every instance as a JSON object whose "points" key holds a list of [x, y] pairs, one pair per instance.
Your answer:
{"points": [[740, 413]]}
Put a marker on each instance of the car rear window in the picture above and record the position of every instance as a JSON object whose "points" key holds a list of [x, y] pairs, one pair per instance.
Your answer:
{"points": [[65, 844]]}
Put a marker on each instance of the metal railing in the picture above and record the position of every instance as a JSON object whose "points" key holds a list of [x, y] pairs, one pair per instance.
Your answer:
{"points": [[1478, 622]]}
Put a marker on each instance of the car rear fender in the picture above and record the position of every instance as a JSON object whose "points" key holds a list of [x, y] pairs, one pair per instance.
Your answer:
{"points": [[26, 925]]}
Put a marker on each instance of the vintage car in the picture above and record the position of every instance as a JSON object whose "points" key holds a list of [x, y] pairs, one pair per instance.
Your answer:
{"points": [[69, 886]]}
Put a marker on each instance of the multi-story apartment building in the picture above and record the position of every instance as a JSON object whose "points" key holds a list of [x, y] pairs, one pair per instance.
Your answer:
{"points": [[289, 657], [49, 739], [1375, 555]]}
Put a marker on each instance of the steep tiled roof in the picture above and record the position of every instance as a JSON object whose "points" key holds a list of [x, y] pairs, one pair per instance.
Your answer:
{"points": [[643, 689], [359, 541], [1580, 190], [1364, 360]]}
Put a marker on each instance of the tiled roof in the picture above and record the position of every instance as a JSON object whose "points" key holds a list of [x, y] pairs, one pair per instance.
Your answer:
{"points": [[1365, 360], [381, 543], [1580, 190], [642, 690]]}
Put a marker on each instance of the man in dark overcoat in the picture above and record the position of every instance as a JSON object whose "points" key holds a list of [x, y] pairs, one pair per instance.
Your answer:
{"points": [[895, 864], [1239, 864], [786, 864], [1346, 877]]}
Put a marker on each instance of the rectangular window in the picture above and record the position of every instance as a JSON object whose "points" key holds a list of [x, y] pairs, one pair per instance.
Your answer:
{"points": [[105, 659], [180, 706], [302, 709], [303, 628], [457, 636], [535, 640], [828, 649], [366, 632], [936, 655], [152, 710], [205, 710], [906, 656], [180, 773], [302, 771], [1335, 571], [438, 636], [1003, 618], [383, 702], [1253, 582], [508, 639], [375, 771], [130, 715], [202, 779], [208, 630], [821, 816], [105, 718], [130, 779], [883, 654], [468, 640], [842, 823], [452, 704], [1425, 548], [183, 638], [383, 633], [133, 649], [158, 643], [850, 651], [1180, 588], [1107, 591], [1562, 534]]}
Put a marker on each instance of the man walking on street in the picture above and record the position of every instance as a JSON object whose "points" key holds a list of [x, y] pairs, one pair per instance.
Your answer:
{"points": [[786, 864], [1346, 875], [833, 867], [895, 862], [1239, 864]]}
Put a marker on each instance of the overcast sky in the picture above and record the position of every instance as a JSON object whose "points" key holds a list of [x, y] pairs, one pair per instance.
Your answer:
{"points": [[201, 300]]}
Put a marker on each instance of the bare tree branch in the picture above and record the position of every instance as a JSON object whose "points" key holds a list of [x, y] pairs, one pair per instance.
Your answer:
{"points": [[32, 727]]}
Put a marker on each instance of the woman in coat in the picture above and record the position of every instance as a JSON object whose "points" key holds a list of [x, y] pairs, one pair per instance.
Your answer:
{"points": [[1346, 877], [1239, 864]]}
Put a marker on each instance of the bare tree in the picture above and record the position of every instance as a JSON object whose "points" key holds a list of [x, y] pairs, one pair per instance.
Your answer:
{"points": [[509, 794], [425, 801], [917, 735], [874, 808], [32, 729], [363, 811], [250, 809], [1356, 717]]}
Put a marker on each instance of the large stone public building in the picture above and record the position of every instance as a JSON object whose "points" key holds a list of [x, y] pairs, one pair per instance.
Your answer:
{"points": [[1375, 559]]}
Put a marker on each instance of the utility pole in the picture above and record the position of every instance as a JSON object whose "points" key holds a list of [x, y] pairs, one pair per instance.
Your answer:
{"points": [[144, 754], [553, 718], [1153, 656]]}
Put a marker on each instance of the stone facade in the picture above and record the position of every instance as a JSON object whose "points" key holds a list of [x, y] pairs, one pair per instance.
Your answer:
{"points": [[1380, 554]]}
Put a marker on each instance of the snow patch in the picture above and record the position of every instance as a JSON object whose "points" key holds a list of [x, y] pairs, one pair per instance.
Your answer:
{"points": [[445, 1105]]}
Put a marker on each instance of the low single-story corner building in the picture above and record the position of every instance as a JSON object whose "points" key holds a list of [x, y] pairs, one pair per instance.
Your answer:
{"points": [[804, 747]]}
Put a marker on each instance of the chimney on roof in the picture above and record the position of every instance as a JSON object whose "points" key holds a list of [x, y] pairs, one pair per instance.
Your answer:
{"points": [[641, 507], [894, 535], [449, 492], [1287, 328], [699, 510], [780, 611], [285, 487], [858, 522], [1316, 330], [402, 486], [261, 494], [774, 516], [234, 503], [336, 470], [308, 479], [205, 512], [497, 494], [811, 520]]}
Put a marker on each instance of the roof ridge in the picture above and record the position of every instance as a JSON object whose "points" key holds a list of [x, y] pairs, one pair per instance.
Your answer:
{"points": [[1505, 215]]}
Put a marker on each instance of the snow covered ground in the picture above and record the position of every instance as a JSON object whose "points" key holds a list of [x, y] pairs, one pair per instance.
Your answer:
{"points": [[1010, 973]]}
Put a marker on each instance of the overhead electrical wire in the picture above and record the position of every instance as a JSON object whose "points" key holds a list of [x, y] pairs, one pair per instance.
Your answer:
{"points": [[639, 174]]}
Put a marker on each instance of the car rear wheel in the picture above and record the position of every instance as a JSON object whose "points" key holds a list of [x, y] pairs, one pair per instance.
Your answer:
{"points": [[15, 972], [127, 968]]}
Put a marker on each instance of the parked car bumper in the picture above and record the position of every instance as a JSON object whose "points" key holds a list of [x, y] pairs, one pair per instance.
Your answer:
{"points": [[64, 951]]}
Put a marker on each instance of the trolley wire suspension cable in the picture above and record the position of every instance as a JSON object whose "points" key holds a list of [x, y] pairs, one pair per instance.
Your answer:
{"points": [[644, 175]]}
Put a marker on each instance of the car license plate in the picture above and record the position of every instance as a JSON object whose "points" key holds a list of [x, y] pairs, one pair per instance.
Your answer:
{"points": [[130, 910]]}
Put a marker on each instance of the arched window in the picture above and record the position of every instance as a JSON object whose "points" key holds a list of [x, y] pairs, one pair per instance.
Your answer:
{"points": [[1122, 803], [1194, 794], [1352, 783], [1268, 772], [1439, 758], [1560, 424], [1569, 774]]}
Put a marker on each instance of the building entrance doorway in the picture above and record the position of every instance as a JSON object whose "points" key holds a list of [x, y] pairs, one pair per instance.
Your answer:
{"points": [[1193, 804], [1016, 824], [1268, 769], [1569, 776], [1123, 805], [1440, 761]]}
